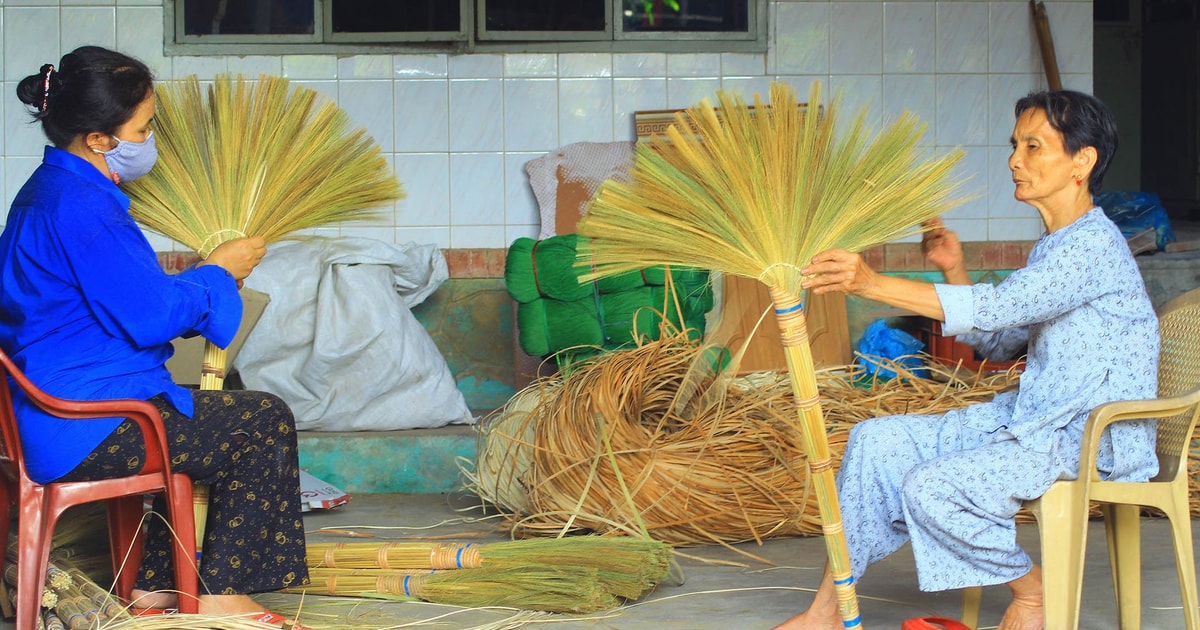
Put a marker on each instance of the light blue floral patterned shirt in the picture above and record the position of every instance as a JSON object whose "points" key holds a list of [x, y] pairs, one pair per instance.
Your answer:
{"points": [[1080, 307]]}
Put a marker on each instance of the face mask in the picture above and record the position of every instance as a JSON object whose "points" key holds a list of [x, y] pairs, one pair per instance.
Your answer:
{"points": [[130, 160]]}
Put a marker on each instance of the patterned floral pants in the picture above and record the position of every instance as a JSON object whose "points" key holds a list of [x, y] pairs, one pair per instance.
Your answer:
{"points": [[242, 444]]}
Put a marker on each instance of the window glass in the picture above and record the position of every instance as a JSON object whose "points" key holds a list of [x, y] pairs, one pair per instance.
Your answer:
{"points": [[544, 15], [686, 15], [389, 16], [255, 17]]}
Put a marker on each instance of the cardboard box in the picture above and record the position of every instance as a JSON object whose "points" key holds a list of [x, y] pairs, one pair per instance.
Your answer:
{"points": [[189, 353]]}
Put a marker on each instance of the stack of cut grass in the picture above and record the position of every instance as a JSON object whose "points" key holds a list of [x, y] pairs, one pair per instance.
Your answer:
{"points": [[578, 574]]}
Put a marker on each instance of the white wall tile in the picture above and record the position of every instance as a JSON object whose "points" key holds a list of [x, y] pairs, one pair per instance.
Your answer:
{"points": [[694, 65], [969, 229], [1015, 229], [520, 206], [23, 137], [255, 65], [856, 38], [439, 236], [140, 35], [426, 181], [531, 65], [310, 67], [34, 44], [1001, 203], [205, 68], [639, 64], [365, 67], [632, 95], [1013, 41], [747, 87], [514, 232], [476, 66], [909, 36], [1071, 28], [592, 65], [95, 26], [422, 115], [1078, 82], [962, 37], [801, 38], [420, 66], [743, 64], [962, 116], [687, 92], [530, 114], [916, 93], [1003, 92], [477, 236], [369, 104], [476, 115], [327, 89], [972, 174], [385, 234], [859, 92], [585, 110], [476, 189]]}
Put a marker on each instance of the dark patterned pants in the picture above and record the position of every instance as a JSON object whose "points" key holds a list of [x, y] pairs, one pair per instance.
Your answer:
{"points": [[242, 444]]}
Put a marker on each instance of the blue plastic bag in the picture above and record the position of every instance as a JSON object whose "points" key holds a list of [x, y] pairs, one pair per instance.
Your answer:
{"points": [[881, 340], [1136, 211]]}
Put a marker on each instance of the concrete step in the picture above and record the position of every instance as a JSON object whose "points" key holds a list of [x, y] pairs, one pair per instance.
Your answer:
{"points": [[412, 461]]}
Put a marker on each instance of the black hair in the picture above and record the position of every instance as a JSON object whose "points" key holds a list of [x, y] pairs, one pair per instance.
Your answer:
{"points": [[92, 89], [1083, 120]]}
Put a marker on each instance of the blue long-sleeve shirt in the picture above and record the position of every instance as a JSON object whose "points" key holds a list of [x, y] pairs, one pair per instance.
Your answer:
{"points": [[87, 312]]}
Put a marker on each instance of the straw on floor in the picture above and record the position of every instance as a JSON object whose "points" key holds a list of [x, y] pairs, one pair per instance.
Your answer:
{"points": [[757, 193]]}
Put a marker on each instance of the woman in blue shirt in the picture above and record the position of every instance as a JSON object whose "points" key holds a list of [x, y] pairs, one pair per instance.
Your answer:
{"points": [[87, 312]]}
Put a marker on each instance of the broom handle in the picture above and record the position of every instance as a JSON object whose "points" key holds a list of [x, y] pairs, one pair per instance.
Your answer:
{"points": [[212, 377], [793, 331]]}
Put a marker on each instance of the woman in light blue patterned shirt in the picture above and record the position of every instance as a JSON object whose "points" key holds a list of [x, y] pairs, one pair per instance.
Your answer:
{"points": [[952, 484]]}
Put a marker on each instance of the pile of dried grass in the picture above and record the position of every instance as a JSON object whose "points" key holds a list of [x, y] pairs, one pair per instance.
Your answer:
{"points": [[613, 446]]}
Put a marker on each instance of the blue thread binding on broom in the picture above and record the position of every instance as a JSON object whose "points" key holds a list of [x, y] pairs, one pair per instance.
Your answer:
{"points": [[406, 591], [798, 306], [458, 555]]}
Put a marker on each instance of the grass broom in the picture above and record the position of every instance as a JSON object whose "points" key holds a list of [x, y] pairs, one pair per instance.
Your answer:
{"points": [[757, 195], [628, 567], [262, 158], [562, 589]]}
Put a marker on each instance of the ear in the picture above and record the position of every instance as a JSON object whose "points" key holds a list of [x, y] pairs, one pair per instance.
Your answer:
{"points": [[1085, 159], [97, 141]]}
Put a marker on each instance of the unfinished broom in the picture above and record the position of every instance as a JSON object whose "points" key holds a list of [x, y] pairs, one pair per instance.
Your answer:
{"points": [[261, 158], [758, 196]]}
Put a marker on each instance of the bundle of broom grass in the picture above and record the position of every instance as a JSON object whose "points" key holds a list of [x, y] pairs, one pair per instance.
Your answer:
{"points": [[757, 193], [253, 158], [576, 574]]}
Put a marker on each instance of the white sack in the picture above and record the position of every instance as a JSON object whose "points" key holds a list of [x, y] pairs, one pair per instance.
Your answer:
{"points": [[338, 342]]}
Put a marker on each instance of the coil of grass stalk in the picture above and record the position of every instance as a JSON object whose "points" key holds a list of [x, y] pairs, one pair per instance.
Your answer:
{"points": [[542, 462]]}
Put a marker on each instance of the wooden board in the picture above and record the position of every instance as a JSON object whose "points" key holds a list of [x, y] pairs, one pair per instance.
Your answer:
{"points": [[745, 301]]}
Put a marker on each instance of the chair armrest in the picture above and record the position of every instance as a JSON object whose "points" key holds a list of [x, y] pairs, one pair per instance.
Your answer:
{"points": [[1108, 413]]}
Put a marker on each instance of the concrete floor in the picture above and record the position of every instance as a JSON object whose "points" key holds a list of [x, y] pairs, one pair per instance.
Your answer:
{"points": [[722, 589]]}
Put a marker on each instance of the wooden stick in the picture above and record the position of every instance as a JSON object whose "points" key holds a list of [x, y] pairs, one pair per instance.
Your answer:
{"points": [[793, 332], [1041, 23]]}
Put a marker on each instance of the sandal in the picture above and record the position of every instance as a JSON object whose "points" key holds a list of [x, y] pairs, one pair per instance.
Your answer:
{"points": [[271, 619], [933, 623]]}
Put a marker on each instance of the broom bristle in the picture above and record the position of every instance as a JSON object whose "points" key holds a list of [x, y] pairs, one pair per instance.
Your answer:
{"points": [[259, 158], [628, 567], [757, 192]]}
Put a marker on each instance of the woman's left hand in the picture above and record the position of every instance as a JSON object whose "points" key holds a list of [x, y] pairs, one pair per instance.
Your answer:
{"points": [[838, 270]]}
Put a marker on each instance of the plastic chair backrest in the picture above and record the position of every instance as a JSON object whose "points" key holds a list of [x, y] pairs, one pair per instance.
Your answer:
{"points": [[1178, 373]]}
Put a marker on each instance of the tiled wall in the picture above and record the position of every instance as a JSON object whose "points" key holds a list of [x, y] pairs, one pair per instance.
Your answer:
{"points": [[460, 128]]}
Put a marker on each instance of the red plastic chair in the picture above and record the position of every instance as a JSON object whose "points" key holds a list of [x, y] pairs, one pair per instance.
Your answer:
{"points": [[41, 504]]}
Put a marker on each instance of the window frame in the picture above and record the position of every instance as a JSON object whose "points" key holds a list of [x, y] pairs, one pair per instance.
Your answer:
{"points": [[471, 37]]}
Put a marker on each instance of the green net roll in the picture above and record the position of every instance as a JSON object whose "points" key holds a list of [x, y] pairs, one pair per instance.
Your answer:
{"points": [[546, 326], [544, 269]]}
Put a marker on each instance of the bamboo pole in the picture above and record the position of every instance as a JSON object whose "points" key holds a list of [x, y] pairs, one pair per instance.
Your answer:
{"points": [[793, 331]]}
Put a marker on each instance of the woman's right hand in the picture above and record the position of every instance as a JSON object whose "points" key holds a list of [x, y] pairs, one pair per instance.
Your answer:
{"points": [[943, 250], [238, 256]]}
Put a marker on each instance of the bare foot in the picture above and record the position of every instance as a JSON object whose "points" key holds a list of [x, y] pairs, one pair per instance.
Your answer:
{"points": [[1025, 612], [822, 614], [154, 599]]}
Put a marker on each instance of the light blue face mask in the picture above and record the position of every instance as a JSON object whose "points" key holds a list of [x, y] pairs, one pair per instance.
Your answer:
{"points": [[130, 160]]}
